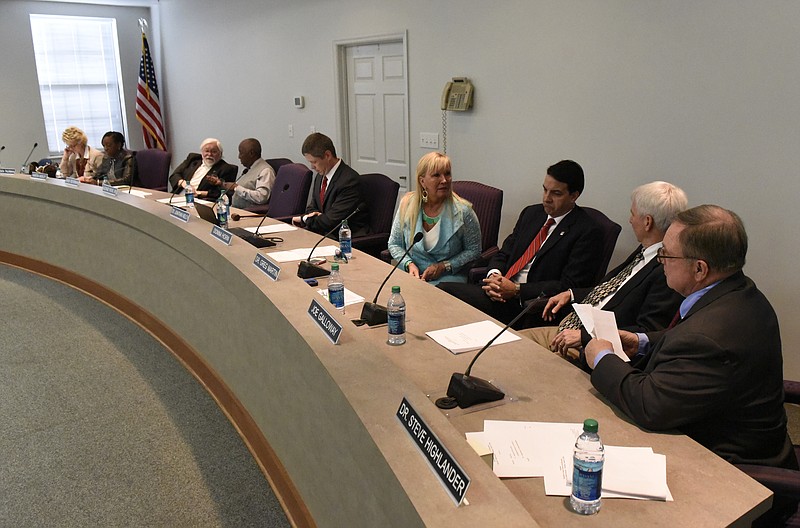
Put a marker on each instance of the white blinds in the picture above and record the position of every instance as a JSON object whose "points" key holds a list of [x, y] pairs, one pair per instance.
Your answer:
{"points": [[80, 81]]}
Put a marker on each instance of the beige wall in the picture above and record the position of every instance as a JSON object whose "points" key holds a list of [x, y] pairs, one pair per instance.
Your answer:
{"points": [[703, 94]]}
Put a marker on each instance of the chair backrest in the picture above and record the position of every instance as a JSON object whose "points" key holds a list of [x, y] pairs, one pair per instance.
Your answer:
{"points": [[611, 231], [152, 168], [487, 202], [277, 163], [380, 193], [290, 192]]}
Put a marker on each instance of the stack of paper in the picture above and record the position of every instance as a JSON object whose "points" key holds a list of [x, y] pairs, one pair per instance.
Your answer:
{"points": [[349, 297], [471, 336], [540, 449], [302, 253], [275, 228]]}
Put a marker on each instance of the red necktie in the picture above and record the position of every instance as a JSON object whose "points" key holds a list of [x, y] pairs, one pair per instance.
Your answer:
{"points": [[675, 320], [532, 249], [322, 191]]}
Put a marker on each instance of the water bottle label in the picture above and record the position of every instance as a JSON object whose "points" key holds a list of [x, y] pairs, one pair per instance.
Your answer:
{"points": [[189, 198], [223, 217], [346, 246], [336, 297], [397, 323], [587, 481]]}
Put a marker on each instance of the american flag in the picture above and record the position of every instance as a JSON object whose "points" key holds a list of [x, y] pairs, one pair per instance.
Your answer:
{"points": [[148, 109]]}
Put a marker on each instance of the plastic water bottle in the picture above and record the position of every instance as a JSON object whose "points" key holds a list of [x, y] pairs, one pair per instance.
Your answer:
{"points": [[396, 312], [336, 288], [188, 193], [105, 181], [222, 210], [587, 473], [346, 240]]}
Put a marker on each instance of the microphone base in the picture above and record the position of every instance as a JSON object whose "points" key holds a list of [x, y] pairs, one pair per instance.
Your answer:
{"points": [[307, 270], [374, 314], [469, 390]]}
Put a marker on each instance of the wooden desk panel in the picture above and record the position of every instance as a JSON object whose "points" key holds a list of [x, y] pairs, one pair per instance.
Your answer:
{"points": [[327, 411]]}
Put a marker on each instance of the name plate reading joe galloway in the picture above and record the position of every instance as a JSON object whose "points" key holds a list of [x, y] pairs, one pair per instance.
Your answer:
{"points": [[450, 474], [329, 326]]}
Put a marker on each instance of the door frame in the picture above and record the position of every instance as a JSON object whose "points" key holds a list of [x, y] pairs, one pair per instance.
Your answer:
{"points": [[341, 93]]}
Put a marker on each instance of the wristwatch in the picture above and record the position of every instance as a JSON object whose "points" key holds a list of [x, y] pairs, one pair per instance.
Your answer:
{"points": [[447, 266], [518, 288]]}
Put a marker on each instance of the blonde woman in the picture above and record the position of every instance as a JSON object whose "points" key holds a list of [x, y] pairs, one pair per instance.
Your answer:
{"points": [[451, 232], [79, 159]]}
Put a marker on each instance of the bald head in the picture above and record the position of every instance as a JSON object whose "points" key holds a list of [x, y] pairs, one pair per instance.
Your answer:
{"points": [[249, 151]]}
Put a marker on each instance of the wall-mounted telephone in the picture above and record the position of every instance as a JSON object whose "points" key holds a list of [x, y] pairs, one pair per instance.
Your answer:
{"points": [[457, 95]]}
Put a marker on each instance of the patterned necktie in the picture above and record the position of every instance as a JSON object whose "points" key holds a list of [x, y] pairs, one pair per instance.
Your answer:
{"points": [[600, 292], [675, 320], [532, 249], [322, 190]]}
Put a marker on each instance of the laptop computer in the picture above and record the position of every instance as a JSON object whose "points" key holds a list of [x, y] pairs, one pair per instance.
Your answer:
{"points": [[207, 214]]}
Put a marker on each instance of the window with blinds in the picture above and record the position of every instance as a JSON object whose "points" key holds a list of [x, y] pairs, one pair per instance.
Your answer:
{"points": [[80, 79]]}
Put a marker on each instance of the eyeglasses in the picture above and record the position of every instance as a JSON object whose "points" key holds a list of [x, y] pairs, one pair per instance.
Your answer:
{"points": [[661, 257]]}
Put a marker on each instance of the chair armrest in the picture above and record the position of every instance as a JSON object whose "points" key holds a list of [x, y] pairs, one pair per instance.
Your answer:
{"points": [[781, 481], [475, 275], [386, 256], [791, 391]]}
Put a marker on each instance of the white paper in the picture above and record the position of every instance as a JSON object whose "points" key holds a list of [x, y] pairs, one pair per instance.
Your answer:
{"points": [[276, 228], [473, 336], [528, 449], [349, 297], [628, 473], [124, 189], [180, 201], [601, 324], [544, 449], [302, 253]]}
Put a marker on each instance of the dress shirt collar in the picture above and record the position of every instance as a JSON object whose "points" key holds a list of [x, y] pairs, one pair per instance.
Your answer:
{"points": [[692, 299]]}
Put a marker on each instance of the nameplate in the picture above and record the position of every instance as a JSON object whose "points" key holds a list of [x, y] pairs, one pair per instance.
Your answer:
{"points": [[441, 461], [222, 235], [72, 181], [8, 171], [329, 326], [180, 214], [109, 189], [39, 176], [269, 268]]}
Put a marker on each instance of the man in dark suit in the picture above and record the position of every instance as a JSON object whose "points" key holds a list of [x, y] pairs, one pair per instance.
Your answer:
{"points": [[717, 374], [197, 167], [555, 245], [336, 192], [636, 290]]}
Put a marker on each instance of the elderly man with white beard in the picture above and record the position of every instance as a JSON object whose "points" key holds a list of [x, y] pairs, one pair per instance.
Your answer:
{"points": [[197, 168]]}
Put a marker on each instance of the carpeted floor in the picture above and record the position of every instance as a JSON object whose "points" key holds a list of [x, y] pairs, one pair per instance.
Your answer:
{"points": [[101, 426]]}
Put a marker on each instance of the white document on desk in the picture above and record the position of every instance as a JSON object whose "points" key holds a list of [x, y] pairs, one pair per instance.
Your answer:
{"points": [[127, 190], [528, 449], [601, 324], [473, 336], [276, 228], [628, 473], [302, 253], [349, 297]]}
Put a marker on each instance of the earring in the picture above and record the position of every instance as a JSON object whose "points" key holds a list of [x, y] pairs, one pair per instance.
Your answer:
{"points": [[424, 196]]}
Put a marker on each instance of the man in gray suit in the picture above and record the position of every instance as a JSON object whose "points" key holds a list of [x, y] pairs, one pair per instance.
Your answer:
{"points": [[716, 373]]}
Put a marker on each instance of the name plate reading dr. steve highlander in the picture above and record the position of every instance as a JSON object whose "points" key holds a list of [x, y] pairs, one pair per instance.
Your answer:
{"points": [[441, 461], [329, 326], [180, 214], [269, 268]]}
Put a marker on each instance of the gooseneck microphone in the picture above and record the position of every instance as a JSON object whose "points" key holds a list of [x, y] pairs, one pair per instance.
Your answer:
{"points": [[307, 270], [373, 313], [25, 163], [1, 150], [465, 390]]}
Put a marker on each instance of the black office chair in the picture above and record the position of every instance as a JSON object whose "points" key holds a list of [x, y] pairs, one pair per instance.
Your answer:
{"points": [[784, 483]]}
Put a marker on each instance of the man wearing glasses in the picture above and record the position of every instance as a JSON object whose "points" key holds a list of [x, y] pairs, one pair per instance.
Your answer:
{"points": [[636, 290], [716, 373]]}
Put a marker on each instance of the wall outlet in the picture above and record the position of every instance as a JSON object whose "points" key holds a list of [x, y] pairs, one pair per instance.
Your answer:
{"points": [[429, 140]]}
